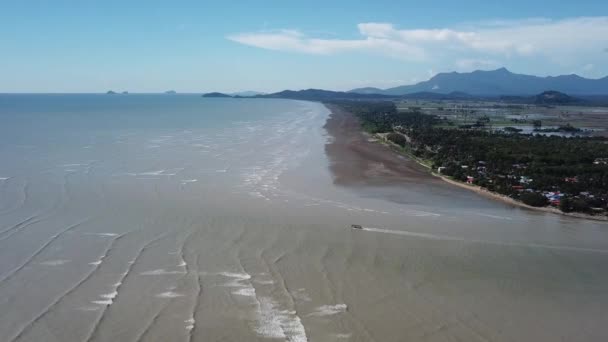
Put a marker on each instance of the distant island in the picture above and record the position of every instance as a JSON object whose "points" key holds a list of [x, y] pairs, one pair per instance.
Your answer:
{"points": [[112, 92], [170, 92], [241, 94], [216, 95], [248, 93]]}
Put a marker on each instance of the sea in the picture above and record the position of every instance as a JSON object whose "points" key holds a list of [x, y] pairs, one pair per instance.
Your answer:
{"points": [[181, 218]]}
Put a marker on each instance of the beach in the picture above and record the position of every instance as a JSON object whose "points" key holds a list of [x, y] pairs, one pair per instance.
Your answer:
{"points": [[358, 159]]}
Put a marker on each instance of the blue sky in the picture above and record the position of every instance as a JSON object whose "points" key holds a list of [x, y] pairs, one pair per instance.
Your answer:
{"points": [[199, 46]]}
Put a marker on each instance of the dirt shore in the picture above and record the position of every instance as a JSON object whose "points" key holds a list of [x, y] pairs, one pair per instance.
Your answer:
{"points": [[358, 158]]}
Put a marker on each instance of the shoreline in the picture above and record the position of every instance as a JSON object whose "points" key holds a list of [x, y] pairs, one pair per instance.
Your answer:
{"points": [[356, 158], [348, 128]]}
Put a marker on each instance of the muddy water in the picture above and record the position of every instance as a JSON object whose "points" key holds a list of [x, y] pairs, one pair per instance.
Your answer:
{"points": [[176, 218]]}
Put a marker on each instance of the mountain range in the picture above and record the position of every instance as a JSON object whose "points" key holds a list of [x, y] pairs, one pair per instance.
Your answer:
{"points": [[545, 98], [498, 82]]}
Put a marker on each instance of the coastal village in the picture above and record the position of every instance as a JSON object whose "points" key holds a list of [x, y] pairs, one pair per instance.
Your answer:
{"points": [[552, 167]]}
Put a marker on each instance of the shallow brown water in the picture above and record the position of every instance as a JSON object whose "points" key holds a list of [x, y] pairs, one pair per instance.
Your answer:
{"points": [[196, 228]]}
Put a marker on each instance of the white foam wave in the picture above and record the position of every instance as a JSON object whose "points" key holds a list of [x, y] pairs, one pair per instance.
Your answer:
{"points": [[96, 263], [161, 271], [103, 234], [301, 295], [342, 336], [152, 173], [328, 310], [495, 216], [57, 262], [88, 308], [246, 291], [155, 173], [108, 298], [169, 294], [271, 321], [110, 295], [243, 276], [279, 324], [103, 302], [239, 281]]}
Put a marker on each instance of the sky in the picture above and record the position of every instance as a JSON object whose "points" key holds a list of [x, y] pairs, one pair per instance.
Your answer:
{"points": [[85, 46]]}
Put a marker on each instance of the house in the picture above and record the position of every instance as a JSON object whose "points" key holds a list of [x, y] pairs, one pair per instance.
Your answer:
{"points": [[525, 180], [554, 197], [555, 202], [440, 169], [470, 180]]}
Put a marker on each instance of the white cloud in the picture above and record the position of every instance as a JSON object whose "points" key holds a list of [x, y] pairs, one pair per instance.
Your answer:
{"points": [[293, 40], [559, 40]]}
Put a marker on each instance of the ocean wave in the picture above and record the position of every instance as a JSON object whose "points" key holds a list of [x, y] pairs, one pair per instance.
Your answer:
{"points": [[57, 262], [328, 310], [169, 294], [160, 271]]}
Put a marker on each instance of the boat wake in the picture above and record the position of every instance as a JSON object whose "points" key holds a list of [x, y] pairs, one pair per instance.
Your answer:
{"points": [[498, 243]]}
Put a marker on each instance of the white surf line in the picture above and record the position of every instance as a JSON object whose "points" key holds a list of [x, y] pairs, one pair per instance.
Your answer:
{"points": [[191, 322], [94, 331], [57, 300], [509, 244], [329, 310], [22, 224], [170, 294], [41, 249], [495, 216]]}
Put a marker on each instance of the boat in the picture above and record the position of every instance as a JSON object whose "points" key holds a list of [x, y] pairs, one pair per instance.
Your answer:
{"points": [[356, 226]]}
